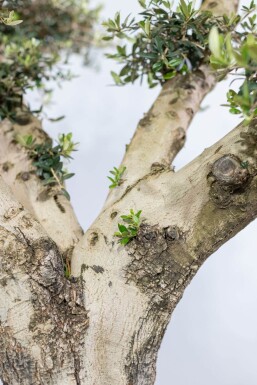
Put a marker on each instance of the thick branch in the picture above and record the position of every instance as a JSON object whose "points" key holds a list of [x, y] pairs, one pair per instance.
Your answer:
{"points": [[161, 134], [53, 211], [42, 316], [219, 180], [187, 216]]}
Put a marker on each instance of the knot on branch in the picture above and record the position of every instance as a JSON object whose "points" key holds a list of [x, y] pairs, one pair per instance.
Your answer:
{"points": [[228, 171], [229, 178]]}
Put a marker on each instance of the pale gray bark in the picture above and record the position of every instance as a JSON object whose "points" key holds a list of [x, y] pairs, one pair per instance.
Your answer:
{"points": [[105, 326], [161, 134], [42, 316], [194, 212], [51, 209], [221, 7]]}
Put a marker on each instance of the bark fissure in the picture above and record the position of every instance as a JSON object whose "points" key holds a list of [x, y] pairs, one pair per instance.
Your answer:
{"points": [[105, 327], [160, 268], [53, 316], [17, 367]]}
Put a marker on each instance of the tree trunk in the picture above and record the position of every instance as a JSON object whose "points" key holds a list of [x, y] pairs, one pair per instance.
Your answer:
{"points": [[105, 324]]}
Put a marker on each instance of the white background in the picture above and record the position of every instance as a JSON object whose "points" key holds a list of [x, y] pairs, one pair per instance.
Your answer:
{"points": [[212, 338]]}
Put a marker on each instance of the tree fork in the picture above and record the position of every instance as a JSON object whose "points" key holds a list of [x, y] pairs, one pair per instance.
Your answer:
{"points": [[18, 173], [146, 279], [105, 326]]}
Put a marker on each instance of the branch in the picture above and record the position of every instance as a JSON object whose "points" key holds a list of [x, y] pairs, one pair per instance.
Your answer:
{"points": [[54, 212], [220, 7], [209, 200], [186, 217], [41, 311], [161, 134]]}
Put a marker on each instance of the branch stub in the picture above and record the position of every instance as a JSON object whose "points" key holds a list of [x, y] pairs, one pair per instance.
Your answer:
{"points": [[228, 171]]}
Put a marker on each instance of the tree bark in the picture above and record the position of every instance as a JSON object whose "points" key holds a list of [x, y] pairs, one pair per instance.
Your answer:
{"points": [[130, 292], [104, 325], [42, 316], [53, 211], [161, 134]]}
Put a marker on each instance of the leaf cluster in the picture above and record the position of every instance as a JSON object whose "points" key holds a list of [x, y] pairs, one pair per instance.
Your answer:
{"points": [[236, 53], [129, 230], [23, 67], [57, 24], [163, 42], [116, 177], [9, 18], [30, 51], [48, 160]]}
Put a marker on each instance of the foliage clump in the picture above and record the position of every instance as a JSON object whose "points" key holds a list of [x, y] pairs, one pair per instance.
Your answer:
{"points": [[165, 42], [65, 24], [30, 51], [22, 67], [48, 160], [236, 53], [129, 231]]}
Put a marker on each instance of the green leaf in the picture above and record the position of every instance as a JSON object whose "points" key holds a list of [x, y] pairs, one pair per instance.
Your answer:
{"points": [[65, 193], [125, 241], [138, 213], [13, 22], [147, 27], [214, 42], [142, 3], [169, 75], [122, 228], [184, 8], [116, 78], [68, 176]]}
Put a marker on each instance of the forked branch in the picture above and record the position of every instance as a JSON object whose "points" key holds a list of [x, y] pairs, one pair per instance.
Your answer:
{"points": [[161, 134], [52, 210]]}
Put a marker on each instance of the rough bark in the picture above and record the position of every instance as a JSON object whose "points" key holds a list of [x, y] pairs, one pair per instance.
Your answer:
{"points": [[195, 211], [105, 326], [42, 318]]}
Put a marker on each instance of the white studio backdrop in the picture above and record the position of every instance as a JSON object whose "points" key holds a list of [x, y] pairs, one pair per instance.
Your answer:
{"points": [[212, 338]]}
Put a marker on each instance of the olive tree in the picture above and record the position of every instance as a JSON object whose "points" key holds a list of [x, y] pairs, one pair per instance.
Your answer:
{"points": [[90, 308]]}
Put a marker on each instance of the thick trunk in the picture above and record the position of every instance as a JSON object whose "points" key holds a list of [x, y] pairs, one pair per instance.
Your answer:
{"points": [[42, 314], [129, 292], [105, 326]]}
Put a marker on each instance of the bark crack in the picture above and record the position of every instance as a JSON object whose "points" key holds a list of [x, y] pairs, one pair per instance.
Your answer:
{"points": [[59, 319]]}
